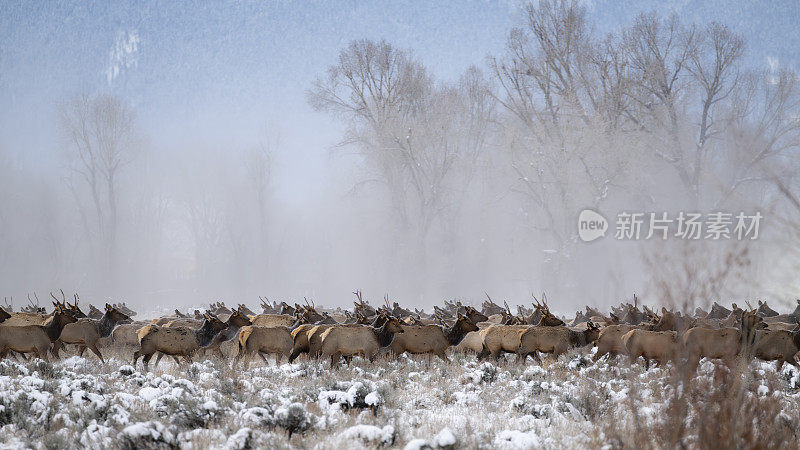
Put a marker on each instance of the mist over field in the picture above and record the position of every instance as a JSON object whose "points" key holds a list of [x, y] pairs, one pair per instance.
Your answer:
{"points": [[181, 153]]}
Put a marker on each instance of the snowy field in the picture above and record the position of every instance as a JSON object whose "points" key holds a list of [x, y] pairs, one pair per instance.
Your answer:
{"points": [[411, 403]]}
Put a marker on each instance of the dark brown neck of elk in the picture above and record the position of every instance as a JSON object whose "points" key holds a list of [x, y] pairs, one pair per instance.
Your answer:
{"points": [[205, 334], [455, 334], [383, 335], [107, 323], [57, 323], [583, 338]]}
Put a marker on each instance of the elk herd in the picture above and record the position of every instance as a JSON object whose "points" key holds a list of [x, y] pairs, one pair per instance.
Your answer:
{"points": [[388, 331]]}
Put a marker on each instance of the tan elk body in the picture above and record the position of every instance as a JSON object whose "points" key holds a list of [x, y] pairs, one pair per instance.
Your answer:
{"points": [[779, 346], [501, 338], [86, 333], [609, 341], [36, 339], [661, 346], [555, 340], [431, 338], [177, 341], [360, 340], [264, 340]]}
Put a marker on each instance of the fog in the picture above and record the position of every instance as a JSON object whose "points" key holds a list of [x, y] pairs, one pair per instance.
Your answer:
{"points": [[140, 165]]}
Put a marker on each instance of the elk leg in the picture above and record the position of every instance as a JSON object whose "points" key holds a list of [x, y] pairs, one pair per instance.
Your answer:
{"points": [[56, 346], [146, 361], [94, 350], [217, 351], [136, 356], [294, 355], [158, 359], [81, 349], [188, 359], [443, 356], [177, 361], [277, 359], [335, 360], [779, 363], [263, 358]]}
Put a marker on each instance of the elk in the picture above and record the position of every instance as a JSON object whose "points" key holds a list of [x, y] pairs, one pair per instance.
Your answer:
{"points": [[344, 340], [722, 343], [659, 345], [362, 306], [431, 338], [780, 346], [124, 335], [123, 308], [261, 340], [94, 313], [235, 322], [765, 311], [500, 338], [35, 339], [556, 340], [243, 309], [266, 307], [178, 341], [308, 337], [671, 321], [609, 340], [785, 318], [718, 312], [489, 307], [87, 332]]}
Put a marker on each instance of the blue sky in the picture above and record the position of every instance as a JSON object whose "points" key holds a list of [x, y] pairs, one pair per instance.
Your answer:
{"points": [[217, 72]]}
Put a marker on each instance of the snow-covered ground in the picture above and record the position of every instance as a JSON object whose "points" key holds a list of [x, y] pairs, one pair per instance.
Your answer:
{"points": [[412, 403]]}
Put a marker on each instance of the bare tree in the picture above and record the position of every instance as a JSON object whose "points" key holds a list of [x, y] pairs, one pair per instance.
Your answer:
{"points": [[414, 136], [101, 131]]}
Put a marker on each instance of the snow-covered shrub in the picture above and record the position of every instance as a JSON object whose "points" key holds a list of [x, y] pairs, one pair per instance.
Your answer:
{"points": [[370, 434], [257, 417], [145, 435], [352, 394], [241, 440], [293, 419]]}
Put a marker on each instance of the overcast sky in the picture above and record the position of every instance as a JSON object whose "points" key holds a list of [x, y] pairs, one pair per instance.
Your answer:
{"points": [[222, 73]]}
